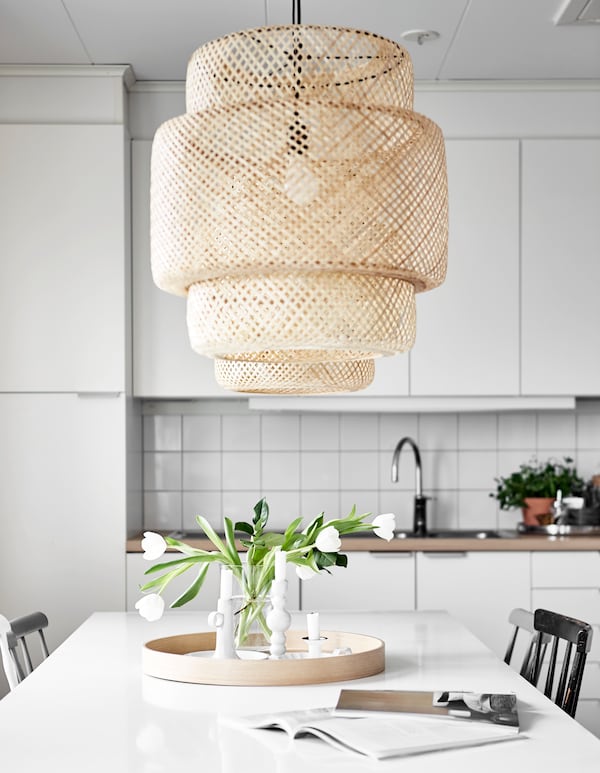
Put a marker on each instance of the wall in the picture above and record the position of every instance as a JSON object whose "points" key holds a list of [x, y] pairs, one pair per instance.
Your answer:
{"points": [[214, 458]]}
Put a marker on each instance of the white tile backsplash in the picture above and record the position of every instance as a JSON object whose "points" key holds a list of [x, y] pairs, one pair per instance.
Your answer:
{"points": [[162, 471], [476, 469], [320, 470], [438, 431], [358, 470], [477, 431], [201, 433], [392, 428], [517, 431], [162, 510], [319, 432], [556, 430], [280, 470], [221, 463], [241, 433], [202, 470], [359, 432], [241, 470], [162, 433], [280, 432]]}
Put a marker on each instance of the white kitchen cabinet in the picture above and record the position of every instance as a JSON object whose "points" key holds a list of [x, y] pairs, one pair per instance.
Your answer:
{"points": [[62, 274], [479, 589], [206, 598], [62, 507], [569, 583], [164, 364], [371, 581], [468, 329], [560, 266]]}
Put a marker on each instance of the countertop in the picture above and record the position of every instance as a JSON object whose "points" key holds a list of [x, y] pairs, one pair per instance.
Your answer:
{"points": [[514, 542]]}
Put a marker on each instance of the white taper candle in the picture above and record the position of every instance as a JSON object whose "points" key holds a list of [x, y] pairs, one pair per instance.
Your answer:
{"points": [[226, 589], [280, 565], [312, 626]]}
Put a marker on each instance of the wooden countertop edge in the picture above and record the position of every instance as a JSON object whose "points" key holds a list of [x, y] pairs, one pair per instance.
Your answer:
{"points": [[524, 542]]}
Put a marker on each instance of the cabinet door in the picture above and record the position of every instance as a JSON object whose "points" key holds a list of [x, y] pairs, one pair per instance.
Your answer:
{"points": [[62, 507], [164, 364], [62, 274], [479, 589], [561, 266], [468, 329], [569, 583], [371, 581]]}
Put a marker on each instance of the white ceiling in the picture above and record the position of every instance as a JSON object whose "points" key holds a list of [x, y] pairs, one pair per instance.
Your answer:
{"points": [[479, 39]]}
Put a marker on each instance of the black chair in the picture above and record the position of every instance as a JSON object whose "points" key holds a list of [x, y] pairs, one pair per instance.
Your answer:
{"points": [[576, 636], [522, 619], [14, 649]]}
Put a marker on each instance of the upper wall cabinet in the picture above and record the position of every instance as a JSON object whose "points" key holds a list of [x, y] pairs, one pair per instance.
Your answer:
{"points": [[164, 364], [468, 329], [561, 266], [62, 273]]}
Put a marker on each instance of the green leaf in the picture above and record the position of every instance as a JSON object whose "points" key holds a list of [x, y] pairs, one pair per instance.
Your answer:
{"points": [[245, 527], [323, 560], [269, 540], [341, 560], [289, 532], [235, 556], [212, 535], [261, 515], [314, 526], [189, 560], [192, 590]]}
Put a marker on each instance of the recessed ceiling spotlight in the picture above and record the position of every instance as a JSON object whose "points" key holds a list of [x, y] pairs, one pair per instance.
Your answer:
{"points": [[420, 36]]}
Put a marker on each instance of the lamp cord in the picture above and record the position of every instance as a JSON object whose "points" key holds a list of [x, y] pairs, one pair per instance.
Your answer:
{"points": [[296, 12]]}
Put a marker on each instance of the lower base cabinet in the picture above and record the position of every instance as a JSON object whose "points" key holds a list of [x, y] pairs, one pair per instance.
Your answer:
{"points": [[569, 583], [479, 589], [371, 581]]}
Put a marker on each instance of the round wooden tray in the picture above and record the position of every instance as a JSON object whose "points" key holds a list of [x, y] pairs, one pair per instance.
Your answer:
{"points": [[169, 658]]}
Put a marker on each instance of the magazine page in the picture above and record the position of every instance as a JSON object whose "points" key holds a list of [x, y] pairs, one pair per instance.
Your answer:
{"points": [[388, 733], [495, 709]]}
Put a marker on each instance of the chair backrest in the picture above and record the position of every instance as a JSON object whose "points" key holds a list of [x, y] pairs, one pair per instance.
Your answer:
{"points": [[522, 619], [575, 638], [14, 649]]}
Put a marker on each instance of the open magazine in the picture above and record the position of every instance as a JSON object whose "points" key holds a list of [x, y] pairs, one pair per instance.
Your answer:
{"points": [[391, 723]]}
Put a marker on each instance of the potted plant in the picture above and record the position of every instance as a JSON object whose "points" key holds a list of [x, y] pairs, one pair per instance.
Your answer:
{"points": [[533, 488]]}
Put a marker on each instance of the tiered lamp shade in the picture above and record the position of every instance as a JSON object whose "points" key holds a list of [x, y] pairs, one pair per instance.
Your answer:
{"points": [[299, 204]]}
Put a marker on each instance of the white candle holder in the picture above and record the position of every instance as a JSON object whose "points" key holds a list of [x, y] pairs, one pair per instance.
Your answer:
{"points": [[278, 618]]}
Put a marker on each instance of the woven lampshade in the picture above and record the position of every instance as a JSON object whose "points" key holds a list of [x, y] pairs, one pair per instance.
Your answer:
{"points": [[299, 204], [296, 377]]}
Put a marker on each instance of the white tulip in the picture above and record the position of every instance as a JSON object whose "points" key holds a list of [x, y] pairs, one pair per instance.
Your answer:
{"points": [[153, 545], [151, 607], [305, 572], [329, 540], [385, 525]]}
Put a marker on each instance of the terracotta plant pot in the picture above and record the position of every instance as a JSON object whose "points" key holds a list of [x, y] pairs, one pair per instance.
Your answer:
{"points": [[537, 510]]}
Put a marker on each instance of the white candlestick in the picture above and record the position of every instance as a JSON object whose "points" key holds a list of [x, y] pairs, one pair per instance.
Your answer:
{"points": [[226, 589], [280, 565], [312, 626]]}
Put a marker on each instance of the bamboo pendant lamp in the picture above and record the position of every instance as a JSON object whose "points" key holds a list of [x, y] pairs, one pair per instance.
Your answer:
{"points": [[299, 204]]}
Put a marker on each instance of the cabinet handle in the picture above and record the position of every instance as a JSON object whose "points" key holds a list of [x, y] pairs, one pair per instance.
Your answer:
{"points": [[390, 553], [445, 553], [95, 395]]}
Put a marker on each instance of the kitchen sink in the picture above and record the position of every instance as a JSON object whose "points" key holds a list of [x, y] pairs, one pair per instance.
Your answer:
{"points": [[459, 534]]}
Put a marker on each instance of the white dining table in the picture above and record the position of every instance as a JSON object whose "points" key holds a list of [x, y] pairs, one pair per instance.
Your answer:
{"points": [[89, 707]]}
